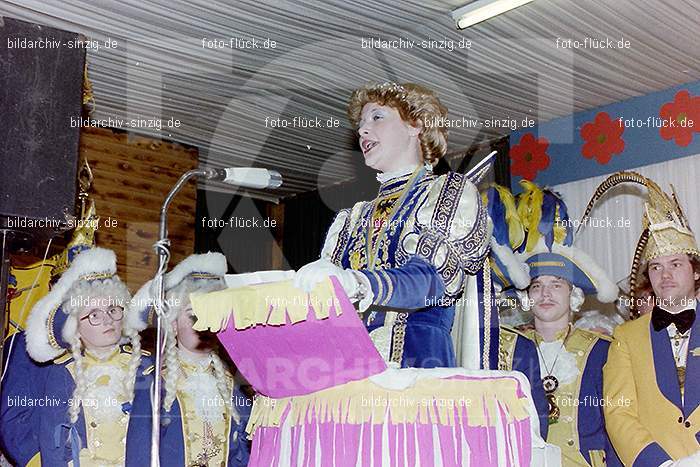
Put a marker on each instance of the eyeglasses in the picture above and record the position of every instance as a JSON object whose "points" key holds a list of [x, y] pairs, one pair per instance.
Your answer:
{"points": [[98, 317]]}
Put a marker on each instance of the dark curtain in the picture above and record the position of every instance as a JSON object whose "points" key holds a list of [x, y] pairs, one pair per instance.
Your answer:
{"points": [[308, 216], [236, 226]]}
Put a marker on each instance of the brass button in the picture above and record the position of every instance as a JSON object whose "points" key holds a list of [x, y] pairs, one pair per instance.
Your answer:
{"points": [[687, 424], [570, 442], [680, 419], [93, 424]]}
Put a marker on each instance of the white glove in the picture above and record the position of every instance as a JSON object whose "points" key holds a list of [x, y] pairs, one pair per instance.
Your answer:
{"points": [[311, 274], [690, 461]]}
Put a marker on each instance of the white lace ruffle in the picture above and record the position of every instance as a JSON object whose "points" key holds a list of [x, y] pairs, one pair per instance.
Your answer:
{"points": [[201, 387], [386, 176], [105, 391], [565, 368]]}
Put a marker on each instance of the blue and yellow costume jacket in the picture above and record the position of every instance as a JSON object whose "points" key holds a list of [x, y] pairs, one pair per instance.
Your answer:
{"points": [[60, 442], [518, 353], [183, 440], [649, 420], [416, 242], [19, 425], [580, 430]]}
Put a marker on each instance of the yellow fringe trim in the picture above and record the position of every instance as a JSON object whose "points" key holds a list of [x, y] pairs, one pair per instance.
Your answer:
{"points": [[429, 401], [262, 304]]}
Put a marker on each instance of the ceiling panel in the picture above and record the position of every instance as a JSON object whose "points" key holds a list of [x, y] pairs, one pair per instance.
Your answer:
{"points": [[223, 96]]}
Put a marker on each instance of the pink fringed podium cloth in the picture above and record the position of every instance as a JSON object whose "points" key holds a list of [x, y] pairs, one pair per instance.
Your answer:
{"points": [[473, 419], [330, 400], [288, 343]]}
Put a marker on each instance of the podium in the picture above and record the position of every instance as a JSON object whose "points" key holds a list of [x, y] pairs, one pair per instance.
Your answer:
{"points": [[326, 397]]}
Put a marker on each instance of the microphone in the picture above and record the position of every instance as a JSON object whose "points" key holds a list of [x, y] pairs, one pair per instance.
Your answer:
{"points": [[246, 177]]}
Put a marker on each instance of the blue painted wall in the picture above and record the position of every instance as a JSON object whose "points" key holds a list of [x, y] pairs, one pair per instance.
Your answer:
{"points": [[643, 145]]}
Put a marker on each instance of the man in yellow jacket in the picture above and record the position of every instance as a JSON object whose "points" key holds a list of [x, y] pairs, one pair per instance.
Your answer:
{"points": [[652, 375]]}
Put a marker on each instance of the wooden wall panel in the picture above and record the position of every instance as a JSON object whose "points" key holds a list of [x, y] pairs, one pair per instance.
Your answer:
{"points": [[133, 174]]}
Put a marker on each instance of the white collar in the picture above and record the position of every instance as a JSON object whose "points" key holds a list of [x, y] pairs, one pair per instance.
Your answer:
{"points": [[385, 176], [201, 361]]}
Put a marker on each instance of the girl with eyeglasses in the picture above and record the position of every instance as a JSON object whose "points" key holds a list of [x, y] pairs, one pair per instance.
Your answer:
{"points": [[85, 409]]}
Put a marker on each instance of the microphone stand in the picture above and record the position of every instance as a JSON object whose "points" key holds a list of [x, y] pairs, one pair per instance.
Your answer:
{"points": [[162, 247]]}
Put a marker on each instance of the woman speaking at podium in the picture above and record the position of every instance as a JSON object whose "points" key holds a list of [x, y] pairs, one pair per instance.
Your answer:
{"points": [[404, 256]]}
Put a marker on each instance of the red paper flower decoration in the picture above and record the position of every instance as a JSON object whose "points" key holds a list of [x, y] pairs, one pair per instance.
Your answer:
{"points": [[529, 156], [602, 138], [680, 118]]}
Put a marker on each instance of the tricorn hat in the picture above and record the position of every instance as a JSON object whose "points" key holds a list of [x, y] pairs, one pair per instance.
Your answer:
{"points": [[548, 247]]}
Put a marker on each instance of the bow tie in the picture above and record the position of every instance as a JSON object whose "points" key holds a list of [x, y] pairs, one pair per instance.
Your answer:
{"points": [[661, 318]]}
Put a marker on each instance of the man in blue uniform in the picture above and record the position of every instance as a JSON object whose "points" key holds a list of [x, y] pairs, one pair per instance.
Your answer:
{"points": [[516, 351], [571, 359]]}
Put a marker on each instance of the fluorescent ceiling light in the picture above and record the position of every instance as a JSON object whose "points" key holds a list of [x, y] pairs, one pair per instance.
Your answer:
{"points": [[481, 10]]}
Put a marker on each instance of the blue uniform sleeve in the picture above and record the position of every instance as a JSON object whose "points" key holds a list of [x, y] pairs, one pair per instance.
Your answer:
{"points": [[593, 415], [525, 361], [413, 286], [19, 422], [651, 456], [59, 440], [611, 457], [138, 450], [450, 231], [239, 446]]}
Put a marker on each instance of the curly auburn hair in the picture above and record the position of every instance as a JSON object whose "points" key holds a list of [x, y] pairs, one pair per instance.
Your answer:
{"points": [[417, 105]]}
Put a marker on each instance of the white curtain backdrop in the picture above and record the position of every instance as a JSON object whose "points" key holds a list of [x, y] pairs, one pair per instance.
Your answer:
{"points": [[610, 238], [613, 246]]}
